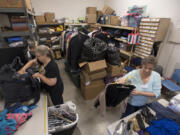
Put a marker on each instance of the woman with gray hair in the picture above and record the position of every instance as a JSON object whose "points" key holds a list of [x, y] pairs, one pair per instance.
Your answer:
{"points": [[147, 82], [49, 74]]}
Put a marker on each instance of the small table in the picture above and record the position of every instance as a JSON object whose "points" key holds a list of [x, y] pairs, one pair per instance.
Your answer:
{"points": [[38, 124], [112, 127]]}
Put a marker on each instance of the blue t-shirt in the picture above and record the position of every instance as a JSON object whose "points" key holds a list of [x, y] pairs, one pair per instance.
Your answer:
{"points": [[153, 85]]}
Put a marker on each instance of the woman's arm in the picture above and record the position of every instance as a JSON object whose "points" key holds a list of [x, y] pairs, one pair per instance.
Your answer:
{"points": [[48, 81], [28, 65], [142, 93]]}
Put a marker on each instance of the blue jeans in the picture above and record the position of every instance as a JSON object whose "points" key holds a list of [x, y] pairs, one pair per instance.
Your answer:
{"points": [[131, 109]]}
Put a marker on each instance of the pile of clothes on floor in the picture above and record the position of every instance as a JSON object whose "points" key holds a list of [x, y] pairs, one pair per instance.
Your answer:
{"points": [[62, 117], [13, 117], [164, 122]]}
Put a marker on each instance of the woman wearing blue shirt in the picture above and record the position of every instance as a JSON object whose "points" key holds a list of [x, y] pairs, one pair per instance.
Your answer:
{"points": [[147, 82]]}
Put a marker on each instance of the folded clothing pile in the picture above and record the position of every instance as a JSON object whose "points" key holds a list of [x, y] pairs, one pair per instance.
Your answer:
{"points": [[140, 122], [19, 23], [46, 30], [13, 117], [62, 116], [175, 104], [50, 41]]}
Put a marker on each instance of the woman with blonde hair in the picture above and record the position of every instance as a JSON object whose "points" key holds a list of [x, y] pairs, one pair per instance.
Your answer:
{"points": [[49, 75], [147, 82]]}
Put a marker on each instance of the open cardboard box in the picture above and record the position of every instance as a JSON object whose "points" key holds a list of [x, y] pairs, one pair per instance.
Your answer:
{"points": [[93, 66], [88, 77]]}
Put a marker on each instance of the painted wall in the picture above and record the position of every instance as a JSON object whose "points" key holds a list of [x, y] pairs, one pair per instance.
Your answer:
{"points": [[66, 8], [169, 52]]}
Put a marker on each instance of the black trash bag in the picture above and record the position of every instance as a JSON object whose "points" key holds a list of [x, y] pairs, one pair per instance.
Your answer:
{"points": [[113, 56], [93, 49], [16, 87]]}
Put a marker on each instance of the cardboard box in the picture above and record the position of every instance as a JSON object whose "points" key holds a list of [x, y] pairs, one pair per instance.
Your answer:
{"points": [[40, 19], [49, 16], [88, 77], [114, 70], [107, 10], [115, 20], [92, 90], [93, 66], [91, 18], [15, 4], [91, 10]]}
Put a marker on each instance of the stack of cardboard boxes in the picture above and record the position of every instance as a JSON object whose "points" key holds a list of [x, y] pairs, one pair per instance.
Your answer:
{"points": [[15, 4], [91, 15], [108, 17], [92, 78], [48, 17]]}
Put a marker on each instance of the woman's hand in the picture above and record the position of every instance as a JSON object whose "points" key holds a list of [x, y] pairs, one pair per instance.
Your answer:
{"points": [[142, 93], [37, 75], [28, 65], [22, 71], [121, 81], [136, 93], [34, 61]]}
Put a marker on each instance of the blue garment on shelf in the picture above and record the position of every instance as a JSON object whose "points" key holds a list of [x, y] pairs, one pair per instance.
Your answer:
{"points": [[7, 127], [163, 127]]}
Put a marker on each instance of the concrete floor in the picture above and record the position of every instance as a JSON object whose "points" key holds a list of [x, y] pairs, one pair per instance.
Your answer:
{"points": [[90, 121]]}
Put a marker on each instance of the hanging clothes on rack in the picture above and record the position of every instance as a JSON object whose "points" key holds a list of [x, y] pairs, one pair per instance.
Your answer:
{"points": [[74, 50]]}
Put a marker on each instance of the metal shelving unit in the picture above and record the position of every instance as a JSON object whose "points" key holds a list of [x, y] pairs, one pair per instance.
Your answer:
{"points": [[15, 33], [122, 40], [76, 24], [48, 24], [49, 34], [119, 27], [16, 10], [126, 54], [11, 52]]}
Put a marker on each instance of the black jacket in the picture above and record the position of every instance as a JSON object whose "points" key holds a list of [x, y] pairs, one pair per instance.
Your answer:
{"points": [[116, 93], [74, 50], [18, 88]]}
